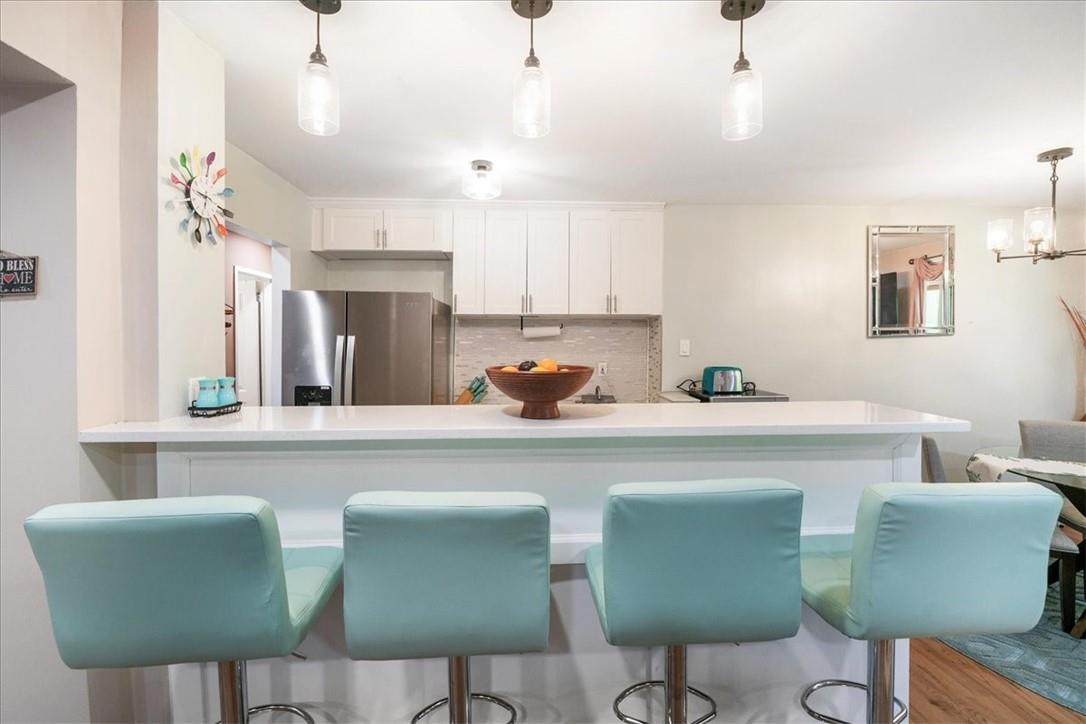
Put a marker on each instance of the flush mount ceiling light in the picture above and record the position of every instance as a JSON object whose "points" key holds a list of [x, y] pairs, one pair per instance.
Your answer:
{"points": [[318, 88], [1038, 224], [532, 97], [742, 114], [481, 182]]}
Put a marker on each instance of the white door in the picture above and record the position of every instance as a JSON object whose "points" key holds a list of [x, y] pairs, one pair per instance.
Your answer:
{"points": [[637, 269], [505, 248], [418, 229], [247, 340], [352, 229], [589, 262], [467, 262], [548, 262]]}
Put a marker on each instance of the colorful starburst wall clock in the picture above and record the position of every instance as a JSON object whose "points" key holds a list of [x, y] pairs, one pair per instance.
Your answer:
{"points": [[205, 195]]}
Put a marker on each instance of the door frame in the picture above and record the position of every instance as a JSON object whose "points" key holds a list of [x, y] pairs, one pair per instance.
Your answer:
{"points": [[265, 301]]}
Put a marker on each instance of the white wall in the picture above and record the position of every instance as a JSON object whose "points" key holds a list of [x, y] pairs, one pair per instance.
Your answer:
{"points": [[393, 275], [269, 206], [38, 389], [191, 113], [780, 291]]}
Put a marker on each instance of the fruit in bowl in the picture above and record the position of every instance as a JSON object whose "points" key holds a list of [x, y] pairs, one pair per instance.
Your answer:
{"points": [[539, 385]]}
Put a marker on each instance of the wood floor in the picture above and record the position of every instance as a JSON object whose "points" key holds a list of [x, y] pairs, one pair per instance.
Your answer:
{"points": [[946, 687]]}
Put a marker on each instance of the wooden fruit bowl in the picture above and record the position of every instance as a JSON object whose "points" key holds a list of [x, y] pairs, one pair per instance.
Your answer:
{"points": [[540, 391]]}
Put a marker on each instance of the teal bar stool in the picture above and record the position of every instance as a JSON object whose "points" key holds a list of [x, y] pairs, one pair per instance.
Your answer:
{"points": [[703, 562], [179, 580], [929, 560], [446, 575]]}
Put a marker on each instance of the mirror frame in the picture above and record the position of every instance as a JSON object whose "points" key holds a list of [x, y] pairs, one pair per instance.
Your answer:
{"points": [[874, 331]]}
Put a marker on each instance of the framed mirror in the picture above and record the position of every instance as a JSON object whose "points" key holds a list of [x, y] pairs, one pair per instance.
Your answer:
{"points": [[910, 271]]}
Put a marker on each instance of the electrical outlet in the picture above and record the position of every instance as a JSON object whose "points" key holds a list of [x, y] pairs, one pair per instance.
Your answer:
{"points": [[684, 347], [601, 369]]}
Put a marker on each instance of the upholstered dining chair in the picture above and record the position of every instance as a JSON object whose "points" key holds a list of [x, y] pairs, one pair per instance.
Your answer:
{"points": [[1062, 549]]}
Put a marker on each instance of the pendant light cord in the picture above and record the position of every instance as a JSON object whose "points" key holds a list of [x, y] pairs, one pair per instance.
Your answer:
{"points": [[531, 27], [319, 33]]}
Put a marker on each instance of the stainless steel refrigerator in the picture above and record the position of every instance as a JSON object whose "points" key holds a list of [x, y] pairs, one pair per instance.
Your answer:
{"points": [[365, 348]]}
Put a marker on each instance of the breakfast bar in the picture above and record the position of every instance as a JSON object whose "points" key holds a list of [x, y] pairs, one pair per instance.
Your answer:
{"points": [[307, 461]]}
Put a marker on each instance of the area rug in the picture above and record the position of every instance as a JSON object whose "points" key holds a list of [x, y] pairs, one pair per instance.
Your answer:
{"points": [[1044, 660]]}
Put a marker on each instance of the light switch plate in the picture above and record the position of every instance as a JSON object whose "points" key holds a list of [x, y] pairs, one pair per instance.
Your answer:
{"points": [[684, 347], [601, 369]]}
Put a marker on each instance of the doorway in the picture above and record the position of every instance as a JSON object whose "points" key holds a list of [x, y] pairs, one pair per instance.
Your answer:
{"points": [[252, 335]]}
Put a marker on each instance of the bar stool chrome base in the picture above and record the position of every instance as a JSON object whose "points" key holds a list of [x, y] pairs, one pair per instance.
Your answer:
{"points": [[899, 717], [879, 687], [460, 696], [675, 691], [234, 695]]}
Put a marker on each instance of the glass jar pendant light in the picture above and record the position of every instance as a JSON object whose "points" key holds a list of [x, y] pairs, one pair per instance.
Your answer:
{"points": [[318, 87], [742, 108], [532, 96]]}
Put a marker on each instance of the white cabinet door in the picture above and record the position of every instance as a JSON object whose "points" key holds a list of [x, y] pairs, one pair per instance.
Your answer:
{"points": [[506, 247], [548, 262], [589, 262], [468, 261], [418, 229], [637, 244], [352, 229]]}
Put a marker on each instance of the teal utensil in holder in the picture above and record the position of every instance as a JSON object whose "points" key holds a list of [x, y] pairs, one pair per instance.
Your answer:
{"points": [[209, 393], [227, 394]]}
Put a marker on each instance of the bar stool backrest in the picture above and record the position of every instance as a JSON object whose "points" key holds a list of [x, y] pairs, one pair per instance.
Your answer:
{"points": [[163, 581], [444, 574], [702, 562], [950, 559]]}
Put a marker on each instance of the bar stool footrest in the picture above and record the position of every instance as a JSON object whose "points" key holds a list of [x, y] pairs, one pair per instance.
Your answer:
{"points": [[490, 698], [898, 717], [649, 684], [286, 708]]}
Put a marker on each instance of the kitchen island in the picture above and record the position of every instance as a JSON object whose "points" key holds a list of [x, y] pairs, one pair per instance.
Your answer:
{"points": [[308, 460]]}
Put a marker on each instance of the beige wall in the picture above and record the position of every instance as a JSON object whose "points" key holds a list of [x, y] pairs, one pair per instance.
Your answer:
{"points": [[191, 113], [81, 41], [268, 206], [780, 291]]}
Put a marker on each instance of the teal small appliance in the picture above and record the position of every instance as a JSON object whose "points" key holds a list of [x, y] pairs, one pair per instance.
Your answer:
{"points": [[722, 380]]}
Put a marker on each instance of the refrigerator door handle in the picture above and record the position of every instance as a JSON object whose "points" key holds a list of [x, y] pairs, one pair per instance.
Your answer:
{"points": [[337, 371], [348, 381]]}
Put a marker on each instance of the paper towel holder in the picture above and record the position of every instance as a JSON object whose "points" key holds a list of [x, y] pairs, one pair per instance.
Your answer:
{"points": [[561, 325]]}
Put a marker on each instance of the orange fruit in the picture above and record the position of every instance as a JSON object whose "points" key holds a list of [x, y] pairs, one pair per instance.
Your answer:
{"points": [[564, 369], [539, 369], [509, 368]]}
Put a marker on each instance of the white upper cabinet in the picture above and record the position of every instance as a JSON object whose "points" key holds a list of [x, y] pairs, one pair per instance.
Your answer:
{"points": [[506, 250], [590, 262], [418, 229], [372, 232], [352, 229], [548, 262], [468, 262], [637, 246]]}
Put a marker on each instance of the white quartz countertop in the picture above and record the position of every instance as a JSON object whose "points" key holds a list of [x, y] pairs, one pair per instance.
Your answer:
{"points": [[502, 422]]}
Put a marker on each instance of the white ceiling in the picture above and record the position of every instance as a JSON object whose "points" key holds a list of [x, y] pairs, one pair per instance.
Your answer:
{"points": [[866, 102]]}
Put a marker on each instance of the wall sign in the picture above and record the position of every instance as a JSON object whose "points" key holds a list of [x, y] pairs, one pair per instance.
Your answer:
{"points": [[18, 276]]}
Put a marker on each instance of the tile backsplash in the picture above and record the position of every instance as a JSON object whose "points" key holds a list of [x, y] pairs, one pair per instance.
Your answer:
{"points": [[626, 345]]}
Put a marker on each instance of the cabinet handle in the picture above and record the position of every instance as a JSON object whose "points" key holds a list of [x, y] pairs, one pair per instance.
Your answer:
{"points": [[531, 304], [454, 304], [522, 304], [377, 238], [384, 238], [614, 305], [608, 303]]}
